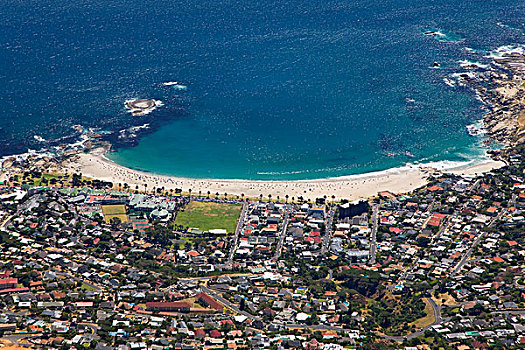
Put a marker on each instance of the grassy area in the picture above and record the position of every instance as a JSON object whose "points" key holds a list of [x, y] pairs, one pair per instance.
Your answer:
{"points": [[114, 211], [428, 319], [446, 299], [208, 216], [87, 288]]}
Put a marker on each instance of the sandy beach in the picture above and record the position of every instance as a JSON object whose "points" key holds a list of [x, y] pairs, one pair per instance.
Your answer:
{"points": [[352, 187]]}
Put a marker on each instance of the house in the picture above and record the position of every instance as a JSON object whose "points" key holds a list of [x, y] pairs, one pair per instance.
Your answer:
{"points": [[8, 283], [208, 301], [176, 306]]}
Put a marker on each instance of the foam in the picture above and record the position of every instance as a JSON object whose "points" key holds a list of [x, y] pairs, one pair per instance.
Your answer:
{"points": [[506, 50], [472, 64]]}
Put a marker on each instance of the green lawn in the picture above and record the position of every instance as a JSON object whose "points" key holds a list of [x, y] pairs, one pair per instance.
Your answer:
{"points": [[87, 288], [208, 216]]}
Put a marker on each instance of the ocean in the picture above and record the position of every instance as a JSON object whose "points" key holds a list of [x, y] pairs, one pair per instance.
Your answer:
{"points": [[272, 90]]}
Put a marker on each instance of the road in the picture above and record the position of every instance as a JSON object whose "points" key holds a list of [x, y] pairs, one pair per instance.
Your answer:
{"points": [[240, 225], [328, 231], [467, 255], [279, 248], [437, 311], [227, 303], [18, 338], [436, 308], [373, 235], [437, 320]]}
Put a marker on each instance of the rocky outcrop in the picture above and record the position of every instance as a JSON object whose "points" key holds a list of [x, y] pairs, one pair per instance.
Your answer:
{"points": [[502, 88]]}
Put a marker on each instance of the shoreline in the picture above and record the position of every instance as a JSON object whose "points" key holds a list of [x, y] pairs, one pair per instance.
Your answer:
{"points": [[351, 187], [500, 88]]}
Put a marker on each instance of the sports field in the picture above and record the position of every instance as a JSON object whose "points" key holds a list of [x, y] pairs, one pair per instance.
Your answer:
{"points": [[111, 211], [209, 215]]}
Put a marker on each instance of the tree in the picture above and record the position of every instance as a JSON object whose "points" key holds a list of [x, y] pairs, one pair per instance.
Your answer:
{"points": [[423, 241], [115, 221]]}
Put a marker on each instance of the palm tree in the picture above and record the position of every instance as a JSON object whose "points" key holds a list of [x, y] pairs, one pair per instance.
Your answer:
{"points": [[209, 194], [286, 196], [189, 190], [270, 197], [260, 196], [333, 199], [225, 195], [242, 196]]}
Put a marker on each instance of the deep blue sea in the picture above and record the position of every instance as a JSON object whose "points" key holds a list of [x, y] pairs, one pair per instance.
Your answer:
{"points": [[282, 89]]}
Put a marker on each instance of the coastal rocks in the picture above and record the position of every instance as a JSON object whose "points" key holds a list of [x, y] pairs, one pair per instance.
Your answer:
{"points": [[141, 107], [31, 162], [502, 89]]}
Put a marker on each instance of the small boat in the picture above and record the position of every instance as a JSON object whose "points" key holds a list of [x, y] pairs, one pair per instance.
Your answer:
{"points": [[170, 83]]}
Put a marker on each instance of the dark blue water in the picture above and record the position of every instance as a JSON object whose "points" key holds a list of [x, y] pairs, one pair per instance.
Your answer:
{"points": [[276, 89]]}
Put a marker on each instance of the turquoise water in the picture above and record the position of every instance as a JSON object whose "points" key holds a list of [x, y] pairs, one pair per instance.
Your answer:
{"points": [[275, 89]]}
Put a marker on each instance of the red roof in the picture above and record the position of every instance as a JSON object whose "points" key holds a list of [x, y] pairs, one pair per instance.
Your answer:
{"points": [[215, 333], [171, 304], [14, 290], [214, 304], [9, 281], [498, 259], [193, 253]]}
